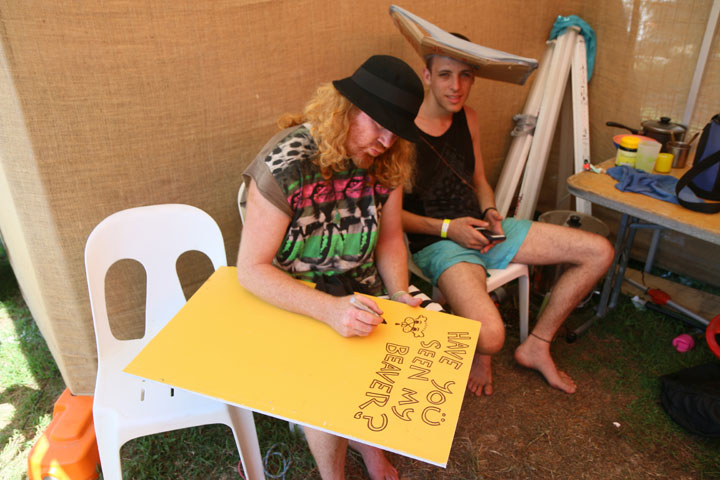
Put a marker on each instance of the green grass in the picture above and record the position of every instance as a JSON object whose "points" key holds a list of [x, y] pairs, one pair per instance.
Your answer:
{"points": [[29, 379], [640, 359], [214, 454], [637, 353]]}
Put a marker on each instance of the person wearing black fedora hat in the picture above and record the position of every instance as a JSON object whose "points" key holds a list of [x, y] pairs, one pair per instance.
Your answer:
{"points": [[324, 202], [451, 199]]}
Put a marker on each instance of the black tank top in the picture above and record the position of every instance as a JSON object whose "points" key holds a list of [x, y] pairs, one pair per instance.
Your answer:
{"points": [[437, 191]]}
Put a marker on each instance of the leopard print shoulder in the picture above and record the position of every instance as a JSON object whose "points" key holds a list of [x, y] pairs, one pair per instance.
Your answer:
{"points": [[296, 146]]}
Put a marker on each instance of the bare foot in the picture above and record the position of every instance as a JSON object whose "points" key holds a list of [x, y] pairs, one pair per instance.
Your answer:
{"points": [[480, 382], [378, 466], [534, 353]]}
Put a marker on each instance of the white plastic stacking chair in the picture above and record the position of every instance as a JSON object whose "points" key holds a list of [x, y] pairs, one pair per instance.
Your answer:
{"points": [[497, 278], [125, 406], [242, 201]]}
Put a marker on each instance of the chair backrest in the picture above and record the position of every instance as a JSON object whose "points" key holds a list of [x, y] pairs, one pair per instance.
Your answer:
{"points": [[242, 201], [155, 236]]}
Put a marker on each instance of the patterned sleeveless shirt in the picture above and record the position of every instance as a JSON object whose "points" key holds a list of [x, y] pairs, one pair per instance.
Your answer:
{"points": [[334, 223]]}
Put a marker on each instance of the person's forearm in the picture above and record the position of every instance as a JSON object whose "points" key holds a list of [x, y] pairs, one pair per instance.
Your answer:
{"points": [[392, 264], [339, 313], [485, 194], [280, 289], [414, 223]]}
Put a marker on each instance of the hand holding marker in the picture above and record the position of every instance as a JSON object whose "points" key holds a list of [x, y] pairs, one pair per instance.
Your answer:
{"points": [[361, 306]]}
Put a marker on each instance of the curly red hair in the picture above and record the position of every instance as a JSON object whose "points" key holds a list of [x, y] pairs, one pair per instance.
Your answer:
{"points": [[329, 114]]}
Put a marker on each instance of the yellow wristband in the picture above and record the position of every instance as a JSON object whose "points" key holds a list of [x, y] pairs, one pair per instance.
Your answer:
{"points": [[444, 229]]}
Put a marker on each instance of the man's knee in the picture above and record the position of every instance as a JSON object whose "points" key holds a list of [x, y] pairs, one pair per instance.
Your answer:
{"points": [[602, 253], [491, 343], [492, 335], [464, 286], [608, 252]]}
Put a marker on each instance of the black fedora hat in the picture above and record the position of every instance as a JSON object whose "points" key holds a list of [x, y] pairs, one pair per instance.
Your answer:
{"points": [[389, 91]]}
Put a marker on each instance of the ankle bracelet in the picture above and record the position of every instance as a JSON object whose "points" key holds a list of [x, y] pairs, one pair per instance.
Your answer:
{"points": [[540, 338]]}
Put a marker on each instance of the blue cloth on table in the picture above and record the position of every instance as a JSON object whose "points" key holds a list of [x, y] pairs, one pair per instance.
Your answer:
{"points": [[657, 186], [563, 23]]}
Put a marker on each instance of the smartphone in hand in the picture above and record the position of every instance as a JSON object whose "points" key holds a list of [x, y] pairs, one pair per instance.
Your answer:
{"points": [[491, 236]]}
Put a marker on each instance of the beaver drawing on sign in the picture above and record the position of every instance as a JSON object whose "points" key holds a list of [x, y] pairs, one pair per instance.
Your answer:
{"points": [[414, 325]]}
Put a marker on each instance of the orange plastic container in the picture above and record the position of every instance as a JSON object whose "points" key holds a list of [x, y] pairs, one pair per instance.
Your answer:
{"points": [[67, 450]]}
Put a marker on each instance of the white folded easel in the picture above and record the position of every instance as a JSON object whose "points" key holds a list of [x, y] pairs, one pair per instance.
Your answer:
{"points": [[533, 133]]}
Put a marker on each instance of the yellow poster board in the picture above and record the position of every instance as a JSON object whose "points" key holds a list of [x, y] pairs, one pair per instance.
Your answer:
{"points": [[400, 389]]}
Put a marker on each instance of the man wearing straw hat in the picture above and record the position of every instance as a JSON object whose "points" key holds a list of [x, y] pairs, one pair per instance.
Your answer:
{"points": [[451, 198]]}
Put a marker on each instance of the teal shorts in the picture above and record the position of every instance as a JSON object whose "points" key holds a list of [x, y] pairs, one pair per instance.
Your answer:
{"points": [[434, 259]]}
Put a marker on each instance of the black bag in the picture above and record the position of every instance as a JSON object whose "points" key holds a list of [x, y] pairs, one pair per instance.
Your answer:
{"points": [[704, 176], [339, 285], [691, 397]]}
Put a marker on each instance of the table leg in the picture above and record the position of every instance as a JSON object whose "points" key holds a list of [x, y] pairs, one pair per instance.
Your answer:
{"points": [[609, 277], [650, 259], [624, 259], [608, 283]]}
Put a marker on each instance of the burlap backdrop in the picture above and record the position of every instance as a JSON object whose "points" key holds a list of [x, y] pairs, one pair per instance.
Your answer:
{"points": [[123, 103]]}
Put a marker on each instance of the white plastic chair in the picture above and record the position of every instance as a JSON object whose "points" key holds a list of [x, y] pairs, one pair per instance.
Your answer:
{"points": [[242, 201], [497, 278], [127, 407]]}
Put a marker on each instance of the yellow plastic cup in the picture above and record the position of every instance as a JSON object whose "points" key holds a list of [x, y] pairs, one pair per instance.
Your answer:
{"points": [[663, 162]]}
